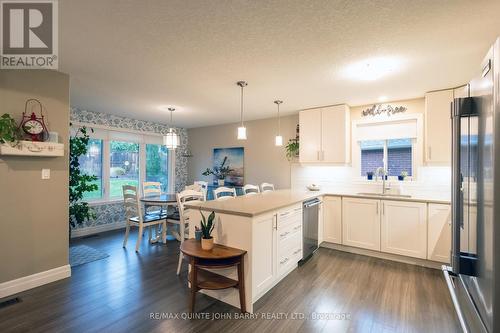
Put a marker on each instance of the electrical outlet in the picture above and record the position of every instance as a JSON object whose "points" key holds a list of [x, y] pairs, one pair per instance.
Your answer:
{"points": [[45, 173]]}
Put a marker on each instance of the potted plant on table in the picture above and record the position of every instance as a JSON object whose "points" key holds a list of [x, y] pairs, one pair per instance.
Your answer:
{"points": [[220, 172], [207, 226], [403, 175], [9, 131]]}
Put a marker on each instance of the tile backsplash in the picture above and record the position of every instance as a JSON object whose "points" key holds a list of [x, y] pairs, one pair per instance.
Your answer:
{"points": [[432, 182]]}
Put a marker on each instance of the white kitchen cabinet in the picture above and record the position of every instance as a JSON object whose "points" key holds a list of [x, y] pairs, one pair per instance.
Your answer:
{"points": [[439, 233], [438, 127], [332, 219], [325, 135], [289, 239], [404, 228], [361, 223], [310, 135], [265, 250]]}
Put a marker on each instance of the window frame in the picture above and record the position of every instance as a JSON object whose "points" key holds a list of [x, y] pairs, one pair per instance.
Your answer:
{"points": [[108, 134], [417, 143], [385, 158]]}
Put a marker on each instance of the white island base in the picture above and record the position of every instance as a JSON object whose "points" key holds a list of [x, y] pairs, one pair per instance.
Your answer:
{"points": [[272, 239]]}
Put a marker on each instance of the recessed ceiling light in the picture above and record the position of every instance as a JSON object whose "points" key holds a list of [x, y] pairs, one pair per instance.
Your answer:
{"points": [[382, 98], [372, 69]]}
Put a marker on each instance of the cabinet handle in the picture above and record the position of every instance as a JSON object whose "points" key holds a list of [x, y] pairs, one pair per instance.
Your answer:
{"points": [[317, 155], [283, 261], [429, 151], [275, 221], [297, 227], [377, 208]]}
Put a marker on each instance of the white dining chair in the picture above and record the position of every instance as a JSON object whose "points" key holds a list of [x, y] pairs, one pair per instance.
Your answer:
{"points": [[224, 193], [183, 216], [135, 216], [151, 189], [266, 187], [250, 189]]}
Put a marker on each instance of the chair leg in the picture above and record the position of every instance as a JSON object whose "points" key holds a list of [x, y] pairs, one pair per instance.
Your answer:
{"points": [[149, 233], [139, 238], [164, 232], [127, 230], [241, 285], [180, 263]]}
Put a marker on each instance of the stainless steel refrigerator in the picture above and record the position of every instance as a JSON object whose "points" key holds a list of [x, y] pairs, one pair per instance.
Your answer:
{"points": [[474, 275]]}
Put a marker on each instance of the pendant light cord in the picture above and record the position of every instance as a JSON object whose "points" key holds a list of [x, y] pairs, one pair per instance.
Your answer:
{"points": [[241, 106], [279, 122]]}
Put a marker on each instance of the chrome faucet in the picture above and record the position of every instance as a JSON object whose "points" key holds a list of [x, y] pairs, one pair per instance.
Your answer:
{"points": [[381, 170]]}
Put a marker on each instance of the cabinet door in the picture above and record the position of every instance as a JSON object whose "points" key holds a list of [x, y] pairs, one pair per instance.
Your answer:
{"points": [[332, 220], [438, 127], [310, 135], [264, 254], [361, 223], [404, 228], [439, 233], [336, 134]]}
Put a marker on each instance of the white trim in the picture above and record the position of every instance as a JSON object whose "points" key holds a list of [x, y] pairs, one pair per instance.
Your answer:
{"points": [[116, 129], [80, 232], [35, 280]]}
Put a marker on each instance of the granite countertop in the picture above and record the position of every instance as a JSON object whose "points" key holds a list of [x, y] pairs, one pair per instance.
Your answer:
{"points": [[257, 204]]}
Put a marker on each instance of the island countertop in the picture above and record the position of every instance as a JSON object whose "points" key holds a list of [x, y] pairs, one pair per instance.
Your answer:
{"points": [[260, 203]]}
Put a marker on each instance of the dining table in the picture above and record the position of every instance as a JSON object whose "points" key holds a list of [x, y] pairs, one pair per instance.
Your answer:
{"points": [[162, 200]]}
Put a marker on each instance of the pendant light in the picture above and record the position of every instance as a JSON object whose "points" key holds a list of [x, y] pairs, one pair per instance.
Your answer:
{"points": [[278, 140], [242, 130], [171, 139]]}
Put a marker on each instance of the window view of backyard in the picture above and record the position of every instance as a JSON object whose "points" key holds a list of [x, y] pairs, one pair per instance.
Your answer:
{"points": [[156, 165], [91, 164], [124, 166]]}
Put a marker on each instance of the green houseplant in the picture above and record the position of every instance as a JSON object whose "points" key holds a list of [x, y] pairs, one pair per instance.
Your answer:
{"points": [[220, 172], [9, 131], [207, 226], [79, 183], [292, 148]]}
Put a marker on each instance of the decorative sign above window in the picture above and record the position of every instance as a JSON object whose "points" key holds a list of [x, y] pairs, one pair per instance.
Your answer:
{"points": [[377, 109]]}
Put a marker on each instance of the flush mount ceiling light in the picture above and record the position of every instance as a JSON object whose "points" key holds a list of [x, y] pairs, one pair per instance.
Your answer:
{"points": [[278, 140], [382, 98], [372, 69], [171, 139], [242, 131]]}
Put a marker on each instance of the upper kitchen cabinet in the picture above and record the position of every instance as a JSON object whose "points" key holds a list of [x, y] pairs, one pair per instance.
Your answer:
{"points": [[325, 135], [438, 127]]}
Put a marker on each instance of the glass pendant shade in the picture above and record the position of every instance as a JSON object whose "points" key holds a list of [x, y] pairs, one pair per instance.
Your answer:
{"points": [[242, 133], [278, 140], [171, 140]]}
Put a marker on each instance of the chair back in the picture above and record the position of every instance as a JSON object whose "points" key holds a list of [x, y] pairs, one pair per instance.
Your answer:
{"points": [[224, 193], [204, 186], [250, 189], [150, 189], [131, 202], [193, 187], [266, 187], [182, 198]]}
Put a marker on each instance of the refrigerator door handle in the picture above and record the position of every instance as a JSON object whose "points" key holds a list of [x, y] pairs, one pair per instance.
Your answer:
{"points": [[456, 187]]}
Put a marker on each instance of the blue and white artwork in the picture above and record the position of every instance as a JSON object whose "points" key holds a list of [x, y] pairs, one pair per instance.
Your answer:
{"points": [[235, 162]]}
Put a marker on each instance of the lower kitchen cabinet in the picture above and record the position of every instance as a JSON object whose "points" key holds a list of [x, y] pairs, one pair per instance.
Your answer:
{"points": [[404, 228], [439, 233], [265, 249], [332, 219], [361, 223]]}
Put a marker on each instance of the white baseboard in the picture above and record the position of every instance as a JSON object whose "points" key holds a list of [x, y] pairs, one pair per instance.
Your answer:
{"points": [[96, 229], [35, 280], [382, 255]]}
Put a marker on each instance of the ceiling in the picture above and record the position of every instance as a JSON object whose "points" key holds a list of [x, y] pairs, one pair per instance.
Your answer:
{"points": [[130, 58]]}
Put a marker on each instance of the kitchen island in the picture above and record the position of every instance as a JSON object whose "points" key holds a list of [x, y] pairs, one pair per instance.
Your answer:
{"points": [[268, 226]]}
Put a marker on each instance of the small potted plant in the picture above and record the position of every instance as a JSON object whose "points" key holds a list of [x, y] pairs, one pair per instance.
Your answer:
{"points": [[207, 226], [197, 233], [403, 175], [9, 131], [219, 172], [369, 175]]}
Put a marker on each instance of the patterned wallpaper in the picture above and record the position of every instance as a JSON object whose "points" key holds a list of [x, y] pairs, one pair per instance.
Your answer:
{"points": [[113, 212]]}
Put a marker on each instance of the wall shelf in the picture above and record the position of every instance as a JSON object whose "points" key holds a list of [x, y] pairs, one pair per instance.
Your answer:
{"points": [[30, 148]]}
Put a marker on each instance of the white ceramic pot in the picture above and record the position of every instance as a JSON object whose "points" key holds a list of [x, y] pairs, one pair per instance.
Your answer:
{"points": [[220, 182], [207, 244]]}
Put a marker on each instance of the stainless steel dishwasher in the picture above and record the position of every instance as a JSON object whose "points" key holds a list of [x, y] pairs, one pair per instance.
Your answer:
{"points": [[310, 218]]}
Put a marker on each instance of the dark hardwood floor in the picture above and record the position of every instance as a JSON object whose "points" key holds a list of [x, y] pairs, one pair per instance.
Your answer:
{"points": [[121, 293]]}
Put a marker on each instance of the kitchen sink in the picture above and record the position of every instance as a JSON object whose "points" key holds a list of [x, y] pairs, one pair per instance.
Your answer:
{"points": [[385, 194]]}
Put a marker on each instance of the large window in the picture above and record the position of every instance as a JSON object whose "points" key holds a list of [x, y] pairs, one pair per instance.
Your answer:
{"points": [[124, 158], [156, 165], [91, 164], [123, 166], [395, 155]]}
